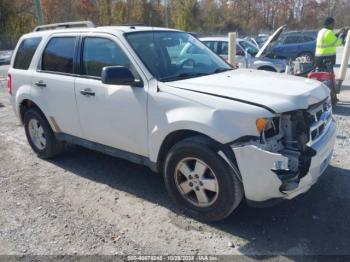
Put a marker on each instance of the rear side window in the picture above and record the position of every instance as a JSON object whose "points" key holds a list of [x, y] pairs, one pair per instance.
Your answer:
{"points": [[26, 52], [308, 39], [101, 52], [58, 55], [292, 39]]}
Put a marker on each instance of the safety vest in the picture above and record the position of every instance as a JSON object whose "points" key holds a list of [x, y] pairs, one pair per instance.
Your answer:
{"points": [[327, 42]]}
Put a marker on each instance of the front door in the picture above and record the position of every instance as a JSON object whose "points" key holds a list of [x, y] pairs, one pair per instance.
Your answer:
{"points": [[113, 115]]}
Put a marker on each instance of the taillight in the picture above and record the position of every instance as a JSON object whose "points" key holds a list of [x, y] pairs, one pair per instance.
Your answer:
{"points": [[9, 84]]}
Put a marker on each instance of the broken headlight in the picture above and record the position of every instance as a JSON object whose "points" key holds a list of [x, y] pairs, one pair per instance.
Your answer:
{"points": [[268, 127]]}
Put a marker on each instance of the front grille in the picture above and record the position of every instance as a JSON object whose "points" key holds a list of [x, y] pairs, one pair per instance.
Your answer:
{"points": [[319, 117]]}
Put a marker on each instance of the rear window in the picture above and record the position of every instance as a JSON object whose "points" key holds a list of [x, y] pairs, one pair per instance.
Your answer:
{"points": [[26, 52], [58, 55]]}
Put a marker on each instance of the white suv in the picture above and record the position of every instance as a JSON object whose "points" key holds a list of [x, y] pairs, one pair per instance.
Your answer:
{"points": [[217, 134]]}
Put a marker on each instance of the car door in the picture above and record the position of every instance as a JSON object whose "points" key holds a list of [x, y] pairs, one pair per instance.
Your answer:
{"points": [[292, 45], [53, 84], [112, 115], [240, 55], [309, 44]]}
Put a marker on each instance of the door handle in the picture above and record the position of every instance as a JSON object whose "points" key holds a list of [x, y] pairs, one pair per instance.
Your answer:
{"points": [[87, 92], [40, 83]]}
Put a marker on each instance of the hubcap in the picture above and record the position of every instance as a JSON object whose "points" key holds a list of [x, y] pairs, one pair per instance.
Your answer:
{"points": [[37, 134], [196, 182]]}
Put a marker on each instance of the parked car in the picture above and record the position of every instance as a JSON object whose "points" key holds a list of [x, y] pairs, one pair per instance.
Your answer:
{"points": [[5, 57], [261, 39], [245, 54], [296, 45], [252, 41], [217, 134]]}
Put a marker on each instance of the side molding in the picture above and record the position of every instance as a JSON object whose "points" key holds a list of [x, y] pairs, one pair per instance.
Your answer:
{"points": [[137, 159]]}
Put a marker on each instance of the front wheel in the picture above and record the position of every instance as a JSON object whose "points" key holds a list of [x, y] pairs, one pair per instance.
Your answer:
{"points": [[200, 181]]}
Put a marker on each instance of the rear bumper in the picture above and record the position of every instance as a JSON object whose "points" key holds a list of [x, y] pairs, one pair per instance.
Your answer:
{"points": [[262, 184]]}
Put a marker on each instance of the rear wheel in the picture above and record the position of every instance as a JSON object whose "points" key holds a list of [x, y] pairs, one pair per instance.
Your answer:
{"points": [[40, 135], [200, 181]]}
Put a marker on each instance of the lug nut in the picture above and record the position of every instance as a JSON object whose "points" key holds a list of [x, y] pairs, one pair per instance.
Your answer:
{"points": [[201, 183], [197, 188], [191, 184], [196, 176], [190, 177]]}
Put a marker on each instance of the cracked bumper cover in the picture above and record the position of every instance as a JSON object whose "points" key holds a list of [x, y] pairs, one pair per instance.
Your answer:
{"points": [[261, 184]]}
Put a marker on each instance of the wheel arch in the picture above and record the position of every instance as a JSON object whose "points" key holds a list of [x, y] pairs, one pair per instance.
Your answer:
{"points": [[26, 104], [176, 136]]}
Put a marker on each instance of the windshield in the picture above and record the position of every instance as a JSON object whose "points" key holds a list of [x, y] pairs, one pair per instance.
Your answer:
{"points": [[261, 39], [249, 47], [171, 56]]}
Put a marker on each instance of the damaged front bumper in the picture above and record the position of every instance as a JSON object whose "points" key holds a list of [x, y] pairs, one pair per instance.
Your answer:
{"points": [[257, 168]]}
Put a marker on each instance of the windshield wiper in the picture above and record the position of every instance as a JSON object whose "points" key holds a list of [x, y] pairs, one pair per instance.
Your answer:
{"points": [[182, 76]]}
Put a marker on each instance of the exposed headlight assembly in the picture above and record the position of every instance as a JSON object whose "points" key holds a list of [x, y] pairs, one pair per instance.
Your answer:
{"points": [[267, 127]]}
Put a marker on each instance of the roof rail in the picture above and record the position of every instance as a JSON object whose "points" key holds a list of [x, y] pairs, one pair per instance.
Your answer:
{"points": [[134, 24], [64, 25]]}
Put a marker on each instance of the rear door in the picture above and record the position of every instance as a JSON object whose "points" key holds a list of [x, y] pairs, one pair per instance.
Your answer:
{"points": [[112, 115], [292, 45], [53, 83]]}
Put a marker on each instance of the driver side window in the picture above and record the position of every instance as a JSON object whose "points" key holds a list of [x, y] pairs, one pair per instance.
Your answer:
{"points": [[100, 52]]}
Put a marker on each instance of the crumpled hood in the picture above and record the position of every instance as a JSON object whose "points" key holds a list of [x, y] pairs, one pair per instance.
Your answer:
{"points": [[279, 92]]}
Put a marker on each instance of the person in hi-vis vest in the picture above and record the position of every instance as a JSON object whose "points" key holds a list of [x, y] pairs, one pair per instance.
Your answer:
{"points": [[326, 45]]}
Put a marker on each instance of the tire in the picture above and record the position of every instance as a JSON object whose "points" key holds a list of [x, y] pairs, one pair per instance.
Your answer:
{"points": [[38, 130], [267, 68], [201, 151]]}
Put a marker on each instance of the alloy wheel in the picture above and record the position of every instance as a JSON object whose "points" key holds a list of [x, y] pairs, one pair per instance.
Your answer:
{"points": [[196, 182], [37, 134]]}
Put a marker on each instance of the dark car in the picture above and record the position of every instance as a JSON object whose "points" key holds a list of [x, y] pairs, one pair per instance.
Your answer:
{"points": [[293, 45]]}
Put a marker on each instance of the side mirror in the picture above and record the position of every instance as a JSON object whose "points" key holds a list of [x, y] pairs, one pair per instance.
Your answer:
{"points": [[119, 75]]}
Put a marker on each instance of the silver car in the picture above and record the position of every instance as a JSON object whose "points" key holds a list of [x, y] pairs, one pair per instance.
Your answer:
{"points": [[245, 54]]}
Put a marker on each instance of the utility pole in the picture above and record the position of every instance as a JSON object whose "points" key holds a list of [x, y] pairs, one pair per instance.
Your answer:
{"points": [[166, 15], [38, 12]]}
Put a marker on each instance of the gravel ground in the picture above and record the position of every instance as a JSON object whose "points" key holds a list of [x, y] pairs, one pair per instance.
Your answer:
{"points": [[85, 202]]}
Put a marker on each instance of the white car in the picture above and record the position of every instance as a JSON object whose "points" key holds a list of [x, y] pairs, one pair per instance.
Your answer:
{"points": [[245, 54], [217, 134]]}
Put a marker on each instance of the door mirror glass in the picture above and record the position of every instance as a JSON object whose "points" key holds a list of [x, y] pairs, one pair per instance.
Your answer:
{"points": [[119, 75]]}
